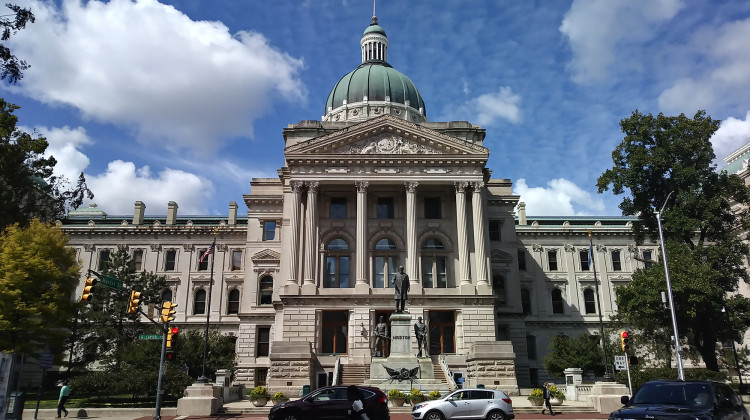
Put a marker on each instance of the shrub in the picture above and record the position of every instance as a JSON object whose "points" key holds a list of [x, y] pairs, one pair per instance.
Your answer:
{"points": [[395, 393], [536, 395], [434, 395], [280, 396], [416, 396], [556, 393], [259, 392]]}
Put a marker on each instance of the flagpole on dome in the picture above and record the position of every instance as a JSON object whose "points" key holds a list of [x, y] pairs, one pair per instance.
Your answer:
{"points": [[607, 376], [203, 379]]}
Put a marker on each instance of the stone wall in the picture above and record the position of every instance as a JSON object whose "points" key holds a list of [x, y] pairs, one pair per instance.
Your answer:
{"points": [[492, 364]]}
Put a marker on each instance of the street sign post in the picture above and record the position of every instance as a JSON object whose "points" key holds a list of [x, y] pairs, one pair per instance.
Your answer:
{"points": [[111, 282], [621, 363]]}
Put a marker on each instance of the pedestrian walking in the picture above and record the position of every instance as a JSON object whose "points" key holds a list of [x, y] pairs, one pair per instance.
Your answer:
{"points": [[357, 410], [64, 395], [547, 394]]}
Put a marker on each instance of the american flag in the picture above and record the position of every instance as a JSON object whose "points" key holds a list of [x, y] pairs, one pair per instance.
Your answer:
{"points": [[210, 250]]}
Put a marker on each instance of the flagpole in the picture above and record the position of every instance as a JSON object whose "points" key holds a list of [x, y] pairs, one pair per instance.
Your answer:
{"points": [[203, 378], [607, 376]]}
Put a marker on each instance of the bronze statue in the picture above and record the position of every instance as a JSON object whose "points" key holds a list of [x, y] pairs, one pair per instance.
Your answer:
{"points": [[381, 334], [420, 330], [401, 286]]}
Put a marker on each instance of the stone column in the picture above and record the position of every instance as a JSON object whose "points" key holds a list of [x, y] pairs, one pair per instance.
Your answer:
{"points": [[362, 286], [292, 287], [411, 267], [463, 239], [480, 241], [311, 228]]}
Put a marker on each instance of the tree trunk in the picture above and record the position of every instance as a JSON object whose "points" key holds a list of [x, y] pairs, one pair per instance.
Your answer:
{"points": [[706, 346]]}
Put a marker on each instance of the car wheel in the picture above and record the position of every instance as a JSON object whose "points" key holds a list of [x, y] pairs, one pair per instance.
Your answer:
{"points": [[290, 416], [433, 415], [496, 415]]}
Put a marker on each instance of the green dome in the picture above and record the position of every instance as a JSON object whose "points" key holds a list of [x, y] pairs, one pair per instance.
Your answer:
{"points": [[376, 81], [374, 28]]}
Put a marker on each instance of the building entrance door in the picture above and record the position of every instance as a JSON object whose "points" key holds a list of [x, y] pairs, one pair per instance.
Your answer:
{"points": [[442, 332]]}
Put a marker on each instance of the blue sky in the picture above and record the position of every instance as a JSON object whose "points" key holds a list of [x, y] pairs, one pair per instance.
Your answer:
{"points": [[186, 100]]}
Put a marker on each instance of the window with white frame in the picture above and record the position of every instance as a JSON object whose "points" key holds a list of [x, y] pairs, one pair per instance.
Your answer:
{"points": [[557, 302], [265, 290], [337, 264], [589, 301], [199, 302], [434, 264], [385, 262], [233, 302]]}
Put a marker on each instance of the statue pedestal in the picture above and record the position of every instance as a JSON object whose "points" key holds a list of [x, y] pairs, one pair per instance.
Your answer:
{"points": [[403, 361]]}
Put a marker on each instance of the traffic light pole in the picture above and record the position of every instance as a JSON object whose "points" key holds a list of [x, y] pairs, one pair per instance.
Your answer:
{"points": [[159, 387], [627, 365]]}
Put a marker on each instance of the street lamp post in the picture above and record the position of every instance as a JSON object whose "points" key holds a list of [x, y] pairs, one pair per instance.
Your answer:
{"points": [[677, 347], [734, 349]]}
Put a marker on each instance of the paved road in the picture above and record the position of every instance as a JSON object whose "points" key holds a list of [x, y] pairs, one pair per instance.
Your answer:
{"points": [[404, 416]]}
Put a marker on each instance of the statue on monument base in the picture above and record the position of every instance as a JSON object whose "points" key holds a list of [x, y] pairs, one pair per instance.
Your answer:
{"points": [[381, 335], [420, 331], [400, 282]]}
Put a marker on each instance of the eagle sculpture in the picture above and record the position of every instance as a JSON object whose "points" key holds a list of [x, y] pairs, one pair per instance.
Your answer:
{"points": [[402, 374]]}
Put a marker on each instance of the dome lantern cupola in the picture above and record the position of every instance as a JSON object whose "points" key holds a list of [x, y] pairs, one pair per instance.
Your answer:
{"points": [[374, 88], [374, 43]]}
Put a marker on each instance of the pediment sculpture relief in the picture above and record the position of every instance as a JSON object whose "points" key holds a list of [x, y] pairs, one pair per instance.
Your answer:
{"points": [[387, 145]]}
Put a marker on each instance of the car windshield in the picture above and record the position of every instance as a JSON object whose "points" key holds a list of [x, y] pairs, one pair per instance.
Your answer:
{"points": [[667, 393]]}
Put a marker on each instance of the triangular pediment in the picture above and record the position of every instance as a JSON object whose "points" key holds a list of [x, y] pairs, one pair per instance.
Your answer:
{"points": [[266, 256], [386, 135]]}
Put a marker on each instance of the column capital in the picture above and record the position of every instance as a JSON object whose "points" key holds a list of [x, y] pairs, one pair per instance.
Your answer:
{"points": [[296, 186], [411, 186], [477, 185], [312, 186], [460, 186], [361, 186]]}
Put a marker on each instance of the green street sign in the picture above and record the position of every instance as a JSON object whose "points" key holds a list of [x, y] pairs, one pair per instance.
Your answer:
{"points": [[151, 336], [111, 282]]}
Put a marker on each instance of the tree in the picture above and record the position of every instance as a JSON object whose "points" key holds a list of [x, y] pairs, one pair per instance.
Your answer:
{"points": [[221, 352], [105, 324], [38, 275], [665, 155], [11, 68], [583, 352], [28, 189]]}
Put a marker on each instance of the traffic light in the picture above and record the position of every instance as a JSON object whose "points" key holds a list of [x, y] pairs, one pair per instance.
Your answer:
{"points": [[632, 360], [171, 341], [624, 341], [86, 295], [134, 302], [167, 312]]}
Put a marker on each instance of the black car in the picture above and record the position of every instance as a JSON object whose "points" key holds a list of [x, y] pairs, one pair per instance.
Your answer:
{"points": [[331, 403], [682, 400]]}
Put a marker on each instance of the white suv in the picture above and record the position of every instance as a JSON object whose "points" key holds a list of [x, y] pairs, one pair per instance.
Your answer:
{"points": [[467, 404]]}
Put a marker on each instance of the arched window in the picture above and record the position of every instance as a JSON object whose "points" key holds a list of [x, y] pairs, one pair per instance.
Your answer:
{"points": [[337, 264], [526, 301], [434, 264], [199, 302], [589, 301], [233, 302], [557, 301], [265, 290], [166, 296], [385, 262]]}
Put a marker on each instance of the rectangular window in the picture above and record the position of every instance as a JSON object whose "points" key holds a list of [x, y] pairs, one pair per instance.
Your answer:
{"points": [[584, 255], [531, 347], [495, 226], [498, 286], [269, 230], [170, 260], [616, 263], [264, 342], [385, 269], [432, 208], [138, 260], [647, 261], [552, 260], [334, 332], [385, 208], [236, 259], [261, 376], [104, 259], [337, 209], [203, 265], [522, 260]]}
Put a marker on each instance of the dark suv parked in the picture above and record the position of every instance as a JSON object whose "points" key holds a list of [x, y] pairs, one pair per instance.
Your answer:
{"points": [[682, 400], [331, 403]]}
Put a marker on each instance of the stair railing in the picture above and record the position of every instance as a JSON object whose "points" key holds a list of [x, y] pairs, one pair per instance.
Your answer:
{"points": [[447, 372], [337, 371]]}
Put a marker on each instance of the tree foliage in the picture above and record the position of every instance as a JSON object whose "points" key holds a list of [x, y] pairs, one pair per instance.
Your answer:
{"points": [[582, 352], [221, 352], [38, 275], [28, 188], [106, 327], [665, 155], [11, 68]]}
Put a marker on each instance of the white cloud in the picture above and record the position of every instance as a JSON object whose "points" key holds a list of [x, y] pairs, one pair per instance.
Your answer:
{"points": [[600, 31], [487, 109], [64, 145], [122, 185], [557, 199], [723, 83], [731, 135], [149, 67]]}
